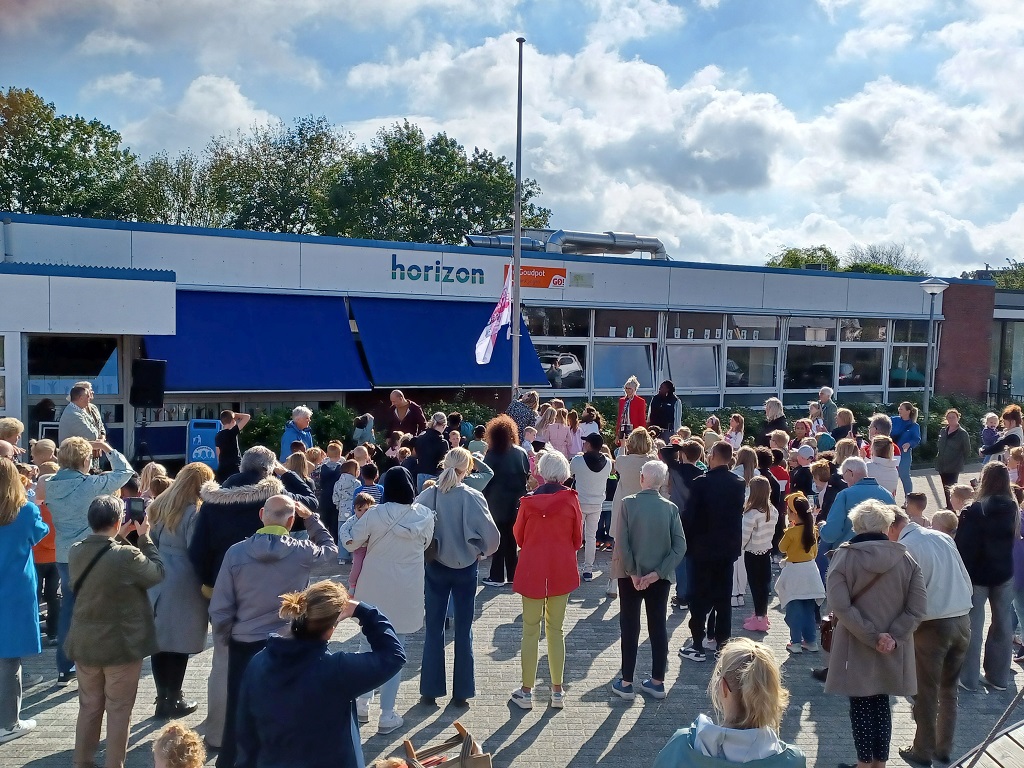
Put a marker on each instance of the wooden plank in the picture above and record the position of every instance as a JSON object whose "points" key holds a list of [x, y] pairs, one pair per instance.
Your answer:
{"points": [[1006, 752]]}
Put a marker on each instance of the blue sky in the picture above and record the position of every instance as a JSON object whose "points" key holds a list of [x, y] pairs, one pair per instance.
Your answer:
{"points": [[728, 128]]}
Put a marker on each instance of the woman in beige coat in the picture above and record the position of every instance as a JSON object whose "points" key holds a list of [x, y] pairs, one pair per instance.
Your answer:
{"points": [[638, 450], [877, 593]]}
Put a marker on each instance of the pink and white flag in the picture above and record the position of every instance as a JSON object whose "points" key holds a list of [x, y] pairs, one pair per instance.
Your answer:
{"points": [[501, 316]]}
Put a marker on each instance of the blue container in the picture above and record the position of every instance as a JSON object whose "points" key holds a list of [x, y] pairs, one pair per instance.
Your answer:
{"points": [[201, 442]]}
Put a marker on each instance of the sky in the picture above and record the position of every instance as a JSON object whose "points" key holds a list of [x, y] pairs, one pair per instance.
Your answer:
{"points": [[727, 128]]}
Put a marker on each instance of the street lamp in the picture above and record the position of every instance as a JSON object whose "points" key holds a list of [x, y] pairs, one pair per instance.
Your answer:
{"points": [[933, 286]]}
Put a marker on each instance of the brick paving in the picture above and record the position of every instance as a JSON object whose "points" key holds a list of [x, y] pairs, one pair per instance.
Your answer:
{"points": [[595, 729]]}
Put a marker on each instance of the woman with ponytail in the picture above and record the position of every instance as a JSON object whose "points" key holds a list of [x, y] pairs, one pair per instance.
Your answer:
{"points": [[465, 534], [310, 685], [799, 586], [747, 694]]}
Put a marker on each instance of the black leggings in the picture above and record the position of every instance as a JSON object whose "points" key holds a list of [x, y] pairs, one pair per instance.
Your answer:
{"points": [[947, 479], [871, 718], [759, 577], [503, 562], [655, 600], [49, 584], [168, 671]]}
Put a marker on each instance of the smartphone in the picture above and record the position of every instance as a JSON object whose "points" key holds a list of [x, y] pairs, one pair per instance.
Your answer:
{"points": [[136, 509]]}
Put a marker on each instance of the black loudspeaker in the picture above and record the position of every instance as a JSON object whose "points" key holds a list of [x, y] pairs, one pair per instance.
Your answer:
{"points": [[148, 377]]}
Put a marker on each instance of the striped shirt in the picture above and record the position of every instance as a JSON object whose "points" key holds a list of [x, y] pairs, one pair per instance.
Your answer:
{"points": [[758, 532]]}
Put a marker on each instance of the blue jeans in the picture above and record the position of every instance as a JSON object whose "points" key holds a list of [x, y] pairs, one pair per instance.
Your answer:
{"points": [[682, 582], [67, 606], [801, 622], [998, 643], [906, 458], [457, 585]]}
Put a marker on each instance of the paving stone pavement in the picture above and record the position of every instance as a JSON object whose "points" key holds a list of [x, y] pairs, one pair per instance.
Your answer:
{"points": [[595, 729]]}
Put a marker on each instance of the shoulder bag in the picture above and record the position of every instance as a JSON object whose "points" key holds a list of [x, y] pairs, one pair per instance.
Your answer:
{"points": [[88, 569], [828, 624], [470, 753]]}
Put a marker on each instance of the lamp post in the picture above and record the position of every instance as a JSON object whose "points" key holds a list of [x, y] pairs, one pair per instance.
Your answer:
{"points": [[933, 286]]}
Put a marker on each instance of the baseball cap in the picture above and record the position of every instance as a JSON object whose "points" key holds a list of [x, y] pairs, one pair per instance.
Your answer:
{"points": [[806, 452]]}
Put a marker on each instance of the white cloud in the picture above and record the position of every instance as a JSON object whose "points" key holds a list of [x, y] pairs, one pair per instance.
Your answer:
{"points": [[621, 20], [708, 4], [101, 42], [125, 84], [866, 42]]}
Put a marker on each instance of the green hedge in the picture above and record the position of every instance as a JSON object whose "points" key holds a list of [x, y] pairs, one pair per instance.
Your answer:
{"points": [[334, 423]]}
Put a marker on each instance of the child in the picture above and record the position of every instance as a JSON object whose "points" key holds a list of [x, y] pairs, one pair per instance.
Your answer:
{"points": [[478, 444], [297, 446], [799, 586], [44, 554], [361, 455], [712, 432], [779, 469], [684, 433], [150, 471], [945, 521], [590, 424], [883, 465], [368, 477], [529, 436], [917, 502], [42, 451], [559, 434], [735, 434], [816, 418], [158, 485], [989, 434], [1013, 462], [747, 694], [779, 439], [361, 503], [547, 419], [327, 475], [455, 438], [394, 445], [178, 747], [759, 518], [572, 420], [959, 497], [343, 495]]}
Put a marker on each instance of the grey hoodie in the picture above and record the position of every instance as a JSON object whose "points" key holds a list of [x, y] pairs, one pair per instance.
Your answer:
{"points": [[69, 494], [256, 572]]}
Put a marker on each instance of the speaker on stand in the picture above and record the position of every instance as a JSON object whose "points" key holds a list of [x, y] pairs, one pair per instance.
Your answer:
{"points": [[147, 391]]}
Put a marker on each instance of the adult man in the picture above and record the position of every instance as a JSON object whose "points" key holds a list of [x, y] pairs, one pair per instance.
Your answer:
{"points": [[829, 409], [681, 461], [246, 598], [591, 470], [879, 425], [80, 417], [297, 430], [431, 447], [404, 416], [713, 524], [231, 513], [837, 528], [226, 441], [940, 641]]}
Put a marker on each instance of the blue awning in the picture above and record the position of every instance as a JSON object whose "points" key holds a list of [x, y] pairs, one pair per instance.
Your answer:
{"points": [[416, 343], [253, 342]]}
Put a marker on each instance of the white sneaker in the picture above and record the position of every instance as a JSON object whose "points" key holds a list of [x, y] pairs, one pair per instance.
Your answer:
{"points": [[612, 588], [28, 681], [20, 729], [389, 721], [363, 710], [710, 645]]}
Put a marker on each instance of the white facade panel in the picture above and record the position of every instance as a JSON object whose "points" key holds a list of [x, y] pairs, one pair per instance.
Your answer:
{"points": [[26, 302], [83, 246], [10, 376], [810, 293], [889, 297], [701, 289], [89, 305]]}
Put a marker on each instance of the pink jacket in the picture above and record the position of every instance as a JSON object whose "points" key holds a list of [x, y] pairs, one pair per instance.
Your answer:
{"points": [[559, 435]]}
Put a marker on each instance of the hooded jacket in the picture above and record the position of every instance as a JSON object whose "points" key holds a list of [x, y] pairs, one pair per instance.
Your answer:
{"points": [[291, 434], [431, 448], [257, 571], [985, 539], [69, 494], [591, 471], [894, 604], [549, 531], [706, 745], [838, 526], [231, 512], [885, 471]]}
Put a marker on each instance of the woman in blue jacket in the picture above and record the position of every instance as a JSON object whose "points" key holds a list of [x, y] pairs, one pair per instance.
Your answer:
{"points": [[907, 435]]}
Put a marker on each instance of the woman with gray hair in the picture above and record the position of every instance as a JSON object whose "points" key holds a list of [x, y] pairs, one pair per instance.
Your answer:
{"points": [[877, 593], [297, 430], [549, 531]]}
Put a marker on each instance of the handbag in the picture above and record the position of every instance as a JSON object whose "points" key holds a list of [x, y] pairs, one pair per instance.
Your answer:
{"points": [[470, 753], [828, 624], [430, 553]]}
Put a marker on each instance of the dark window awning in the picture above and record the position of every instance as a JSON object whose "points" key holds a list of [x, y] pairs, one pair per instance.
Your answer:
{"points": [[416, 343], [255, 342]]}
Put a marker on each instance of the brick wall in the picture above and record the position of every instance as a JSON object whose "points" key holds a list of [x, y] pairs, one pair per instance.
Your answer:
{"points": [[966, 340]]}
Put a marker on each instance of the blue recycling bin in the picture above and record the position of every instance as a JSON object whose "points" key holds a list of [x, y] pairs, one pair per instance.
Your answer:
{"points": [[201, 442]]}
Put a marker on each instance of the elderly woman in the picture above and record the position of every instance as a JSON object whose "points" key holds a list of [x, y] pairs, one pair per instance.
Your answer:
{"points": [[651, 544], [549, 530], [21, 527], [985, 538], [297, 430], [511, 467], [638, 450], [465, 534], [877, 593], [180, 610], [774, 418], [395, 534], [632, 410], [68, 495]]}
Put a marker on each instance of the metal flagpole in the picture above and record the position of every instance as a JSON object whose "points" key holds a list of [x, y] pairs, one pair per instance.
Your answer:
{"points": [[517, 229]]}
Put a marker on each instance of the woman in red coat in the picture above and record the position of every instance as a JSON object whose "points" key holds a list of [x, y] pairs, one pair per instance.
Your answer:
{"points": [[549, 531], [632, 410]]}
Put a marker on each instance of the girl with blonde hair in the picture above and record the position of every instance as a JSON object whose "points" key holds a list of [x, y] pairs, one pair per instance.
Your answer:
{"points": [[759, 519], [747, 694], [572, 420], [558, 433], [180, 610], [150, 471]]}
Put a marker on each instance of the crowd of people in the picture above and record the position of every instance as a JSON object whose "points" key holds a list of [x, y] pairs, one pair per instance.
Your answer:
{"points": [[133, 566]]}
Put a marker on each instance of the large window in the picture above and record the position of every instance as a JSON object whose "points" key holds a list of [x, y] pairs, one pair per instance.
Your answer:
{"points": [[565, 365], [754, 328], [907, 367], [55, 363], [694, 366], [694, 325], [860, 367], [809, 367], [812, 329], [614, 363], [750, 367], [863, 330], [910, 331], [626, 324], [557, 321]]}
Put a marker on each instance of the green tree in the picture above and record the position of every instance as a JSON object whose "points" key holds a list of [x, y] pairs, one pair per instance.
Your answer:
{"points": [[61, 165], [799, 258], [177, 191], [1011, 278], [885, 259], [406, 187]]}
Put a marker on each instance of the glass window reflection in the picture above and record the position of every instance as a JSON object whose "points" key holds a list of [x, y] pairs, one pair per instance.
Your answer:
{"points": [[693, 366], [750, 367], [614, 363]]}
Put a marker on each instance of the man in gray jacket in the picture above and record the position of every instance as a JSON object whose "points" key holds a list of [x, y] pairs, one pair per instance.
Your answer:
{"points": [[246, 598]]}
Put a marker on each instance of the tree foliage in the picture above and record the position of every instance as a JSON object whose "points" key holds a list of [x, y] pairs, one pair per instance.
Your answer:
{"points": [[407, 187], [876, 259], [178, 191], [799, 258]]}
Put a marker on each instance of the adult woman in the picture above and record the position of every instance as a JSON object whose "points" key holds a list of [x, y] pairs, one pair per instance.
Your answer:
{"points": [[954, 451], [877, 593], [1012, 435], [844, 425], [549, 530], [511, 467], [523, 413], [312, 687], [21, 527], [774, 418], [639, 449], [666, 410], [651, 542], [68, 495], [632, 410], [180, 610], [907, 435], [465, 533], [395, 533], [985, 537], [712, 432]]}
